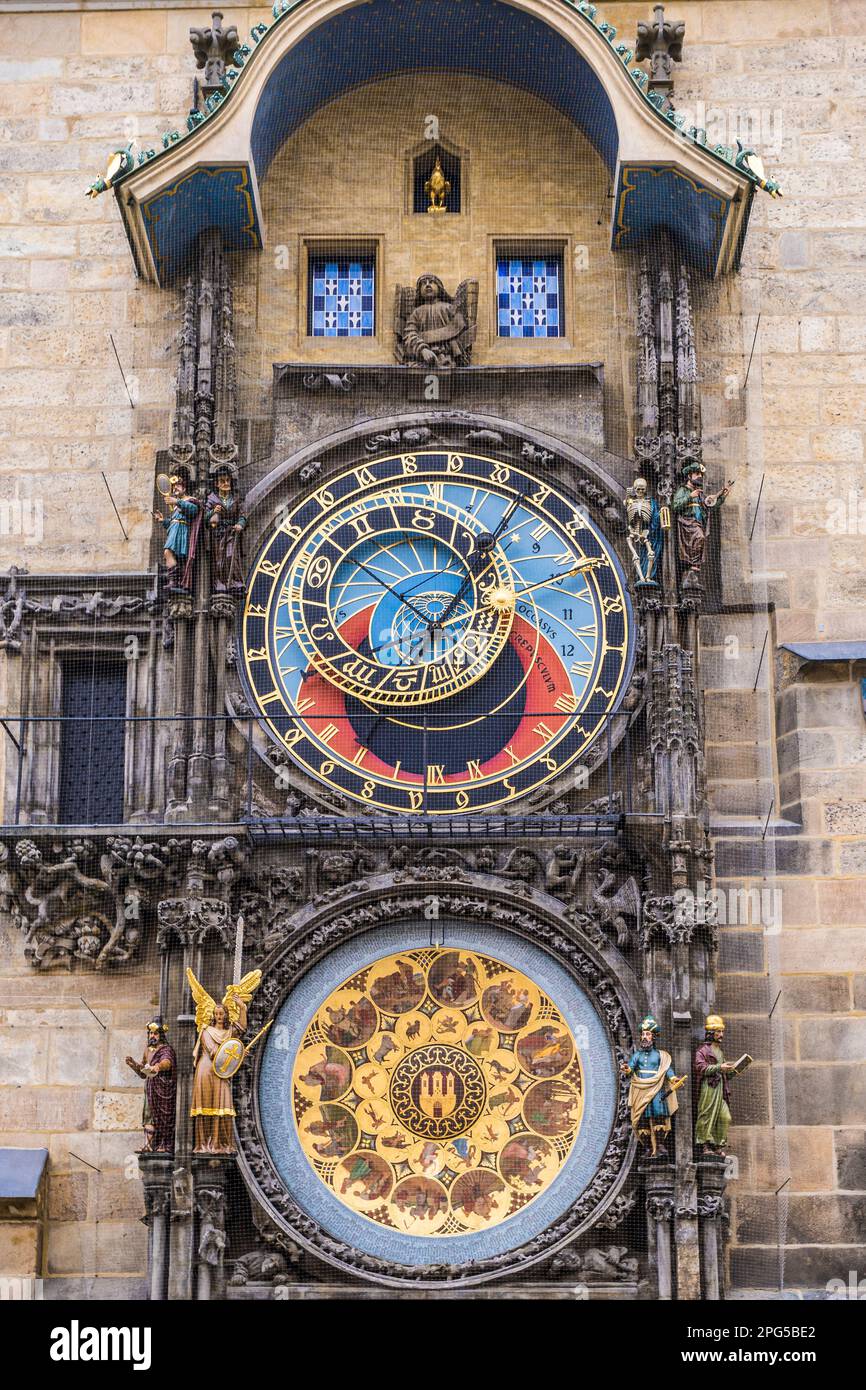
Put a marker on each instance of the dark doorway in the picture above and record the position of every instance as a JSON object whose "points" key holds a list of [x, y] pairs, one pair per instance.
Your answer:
{"points": [[92, 741]]}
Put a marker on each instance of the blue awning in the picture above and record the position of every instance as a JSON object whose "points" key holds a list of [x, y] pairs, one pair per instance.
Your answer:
{"points": [[827, 651], [21, 1172]]}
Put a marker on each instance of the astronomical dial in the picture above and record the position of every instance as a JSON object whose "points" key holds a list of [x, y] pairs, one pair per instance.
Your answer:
{"points": [[436, 632], [388, 599]]}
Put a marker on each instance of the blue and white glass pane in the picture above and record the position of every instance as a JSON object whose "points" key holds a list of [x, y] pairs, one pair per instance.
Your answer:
{"points": [[342, 298], [528, 297]]}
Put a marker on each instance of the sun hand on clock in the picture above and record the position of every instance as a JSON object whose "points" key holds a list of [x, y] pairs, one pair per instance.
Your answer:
{"points": [[503, 598]]}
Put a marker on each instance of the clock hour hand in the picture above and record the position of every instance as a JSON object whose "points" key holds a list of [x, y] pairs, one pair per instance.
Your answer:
{"points": [[493, 537], [379, 580]]}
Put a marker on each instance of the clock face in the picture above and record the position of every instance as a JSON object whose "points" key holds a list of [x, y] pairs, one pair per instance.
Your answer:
{"points": [[436, 632]]}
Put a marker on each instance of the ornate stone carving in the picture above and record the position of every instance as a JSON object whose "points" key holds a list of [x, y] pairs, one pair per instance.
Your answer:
{"points": [[433, 329], [613, 1265], [213, 47], [268, 1266], [13, 605], [191, 919], [210, 1209], [89, 902], [660, 1206], [662, 43], [617, 1212]]}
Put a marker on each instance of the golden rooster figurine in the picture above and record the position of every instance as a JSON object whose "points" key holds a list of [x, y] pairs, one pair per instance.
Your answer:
{"points": [[437, 188]]}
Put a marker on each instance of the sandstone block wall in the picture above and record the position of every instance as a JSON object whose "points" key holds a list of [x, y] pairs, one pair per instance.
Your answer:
{"points": [[787, 76]]}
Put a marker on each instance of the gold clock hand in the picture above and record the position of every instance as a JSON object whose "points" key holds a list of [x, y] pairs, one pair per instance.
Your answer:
{"points": [[501, 598], [508, 514]]}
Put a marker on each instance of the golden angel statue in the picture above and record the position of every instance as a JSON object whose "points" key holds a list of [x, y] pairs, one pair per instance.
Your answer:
{"points": [[218, 1053]]}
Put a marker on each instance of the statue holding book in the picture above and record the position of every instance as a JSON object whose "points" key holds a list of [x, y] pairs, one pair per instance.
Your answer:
{"points": [[712, 1074]]}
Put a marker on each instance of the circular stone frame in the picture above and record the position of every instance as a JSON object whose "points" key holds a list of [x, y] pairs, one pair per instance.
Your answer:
{"points": [[391, 906]]}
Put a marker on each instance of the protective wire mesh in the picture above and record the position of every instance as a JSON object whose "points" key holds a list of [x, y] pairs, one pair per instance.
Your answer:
{"points": [[343, 202]]}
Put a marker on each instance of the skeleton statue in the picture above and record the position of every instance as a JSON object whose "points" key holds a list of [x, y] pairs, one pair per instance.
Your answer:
{"points": [[644, 532]]}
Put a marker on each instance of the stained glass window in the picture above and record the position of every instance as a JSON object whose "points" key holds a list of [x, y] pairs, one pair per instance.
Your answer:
{"points": [[342, 297], [529, 296]]}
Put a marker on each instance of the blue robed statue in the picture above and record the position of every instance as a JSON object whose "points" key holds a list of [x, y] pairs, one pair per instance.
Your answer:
{"points": [[181, 526], [652, 1093]]}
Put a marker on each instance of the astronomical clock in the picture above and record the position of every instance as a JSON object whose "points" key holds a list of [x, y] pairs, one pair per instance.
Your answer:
{"points": [[436, 632], [412, 771], [442, 636]]}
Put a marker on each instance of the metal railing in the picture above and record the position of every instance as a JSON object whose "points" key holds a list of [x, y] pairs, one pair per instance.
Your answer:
{"points": [[61, 773]]}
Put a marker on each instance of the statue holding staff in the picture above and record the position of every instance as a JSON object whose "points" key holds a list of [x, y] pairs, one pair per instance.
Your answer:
{"points": [[158, 1070], [225, 522]]}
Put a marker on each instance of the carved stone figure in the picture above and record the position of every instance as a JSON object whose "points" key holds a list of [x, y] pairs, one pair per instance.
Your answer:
{"points": [[212, 1107], [692, 511], [225, 522], [523, 864], [263, 1266], [559, 874], [158, 1070], [652, 1093], [75, 912], [645, 537], [615, 905], [613, 1264], [337, 867], [432, 329]]}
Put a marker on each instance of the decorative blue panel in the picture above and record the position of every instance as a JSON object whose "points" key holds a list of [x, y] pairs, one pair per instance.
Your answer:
{"points": [[649, 198], [529, 297], [342, 297]]}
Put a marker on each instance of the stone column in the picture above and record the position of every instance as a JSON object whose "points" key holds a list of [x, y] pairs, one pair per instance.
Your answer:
{"points": [[711, 1213], [210, 1177], [156, 1170], [659, 1180]]}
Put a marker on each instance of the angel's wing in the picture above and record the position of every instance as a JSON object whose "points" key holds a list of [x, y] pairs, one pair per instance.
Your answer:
{"points": [[466, 299], [241, 993], [204, 1005], [404, 303], [628, 899]]}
